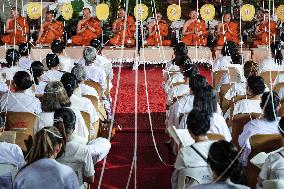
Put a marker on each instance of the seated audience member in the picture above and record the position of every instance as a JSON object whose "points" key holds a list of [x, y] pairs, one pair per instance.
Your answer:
{"points": [[55, 97], [53, 74], [251, 104], [77, 152], [80, 73], [65, 62], [12, 59], [223, 161], [37, 70], [19, 101], [94, 73], [25, 60], [42, 170], [268, 124], [205, 99], [185, 104], [274, 63], [11, 156], [237, 89], [72, 89], [273, 167], [194, 157]]}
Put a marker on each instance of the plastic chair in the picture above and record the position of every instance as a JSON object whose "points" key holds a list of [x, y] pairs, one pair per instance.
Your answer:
{"points": [[277, 87], [87, 118], [213, 136], [95, 85], [233, 73], [24, 140], [273, 184], [225, 104], [8, 136], [269, 77], [94, 100]]}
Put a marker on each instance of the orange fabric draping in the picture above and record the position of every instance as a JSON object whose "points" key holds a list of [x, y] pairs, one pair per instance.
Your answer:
{"points": [[49, 35], [229, 36], [161, 30], [193, 38], [267, 31]]}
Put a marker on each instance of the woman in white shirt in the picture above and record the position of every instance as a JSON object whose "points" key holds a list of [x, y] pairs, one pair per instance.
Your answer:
{"points": [[55, 97], [273, 167], [19, 101], [53, 74], [193, 158], [77, 152], [12, 59], [42, 170], [251, 104], [25, 60], [11, 156], [268, 124], [37, 70], [223, 161]]}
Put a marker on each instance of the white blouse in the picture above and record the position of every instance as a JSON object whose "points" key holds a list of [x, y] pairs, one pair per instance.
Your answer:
{"points": [[66, 63], [247, 106], [237, 89], [52, 75], [25, 62], [97, 74], [10, 72], [268, 65], [177, 91]]}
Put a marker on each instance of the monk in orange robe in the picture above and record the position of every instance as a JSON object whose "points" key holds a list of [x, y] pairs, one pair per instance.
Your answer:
{"points": [[158, 29], [87, 29], [51, 30], [227, 31], [17, 28], [118, 30], [194, 31], [264, 30]]}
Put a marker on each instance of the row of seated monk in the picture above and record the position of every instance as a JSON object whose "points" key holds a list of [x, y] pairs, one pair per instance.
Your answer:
{"points": [[194, 30]]}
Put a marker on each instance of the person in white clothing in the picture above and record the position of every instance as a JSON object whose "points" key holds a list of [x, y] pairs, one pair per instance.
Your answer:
{"points": [[19, 101], [273, 167], [268, 124], [251, 104], [11, 155], [42, 170], [37, 70], [25, 60], [55, 97], [223, 161], [193, 158], [53, 74], [77, 152], [65, 63]]}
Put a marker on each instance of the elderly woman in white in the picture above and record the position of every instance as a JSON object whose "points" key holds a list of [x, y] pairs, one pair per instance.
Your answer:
{"points": [[268, 124]]}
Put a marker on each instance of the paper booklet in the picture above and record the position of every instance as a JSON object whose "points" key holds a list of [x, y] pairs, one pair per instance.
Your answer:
{"points": [[180, 136], [260, 158]]}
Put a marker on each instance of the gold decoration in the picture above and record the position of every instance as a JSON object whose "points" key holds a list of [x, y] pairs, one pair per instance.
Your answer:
{"points": [[34, 10], [102, 11], [280, 13], [207, 12], [141, 12], [247, 12], [174, 12], [67, 11]]}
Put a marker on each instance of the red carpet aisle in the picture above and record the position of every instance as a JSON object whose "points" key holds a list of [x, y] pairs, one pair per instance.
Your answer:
{"points": [[151, 173]]}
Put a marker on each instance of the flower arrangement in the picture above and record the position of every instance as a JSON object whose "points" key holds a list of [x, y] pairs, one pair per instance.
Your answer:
{"points": [[141, 12], [102, 11], [174, 12], [247, 12], [207, 12], [34, 10], [280, 13], [67, 11]]}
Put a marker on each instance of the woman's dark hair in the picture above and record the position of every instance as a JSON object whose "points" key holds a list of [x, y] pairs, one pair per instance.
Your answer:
{"points": [[198, 122], [12, 57], [197, 82], [281, 126], [231, 49], [269, 103], [36, 70], [189, 69], [69, 82], [96, 44], [256, 84], [180, 51], [57, 46], [276, 52], [24, 49], [65, 120], [223, 154], [205, 99], [52, 60], [250, 68], [22, 80]]}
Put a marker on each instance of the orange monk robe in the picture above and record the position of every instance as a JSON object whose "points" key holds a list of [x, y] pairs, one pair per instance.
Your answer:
{"points": [[193, 38], [20, 35], [48, 35], [263, 38], [161, 30], [129, 32], [233, 36], [86, 36]]}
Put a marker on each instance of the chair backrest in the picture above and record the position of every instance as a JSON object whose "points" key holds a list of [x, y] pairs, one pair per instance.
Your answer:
{"points": [[273, 184], [233, 72], [7, 175], [217, 76], [213, 136], [24, 140], [94, 100], [281, 110], [8, 136], [87, 118], [238, 124], [95, 85], [277, 87], [269, 77], [225, 104], [20, 121]]}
